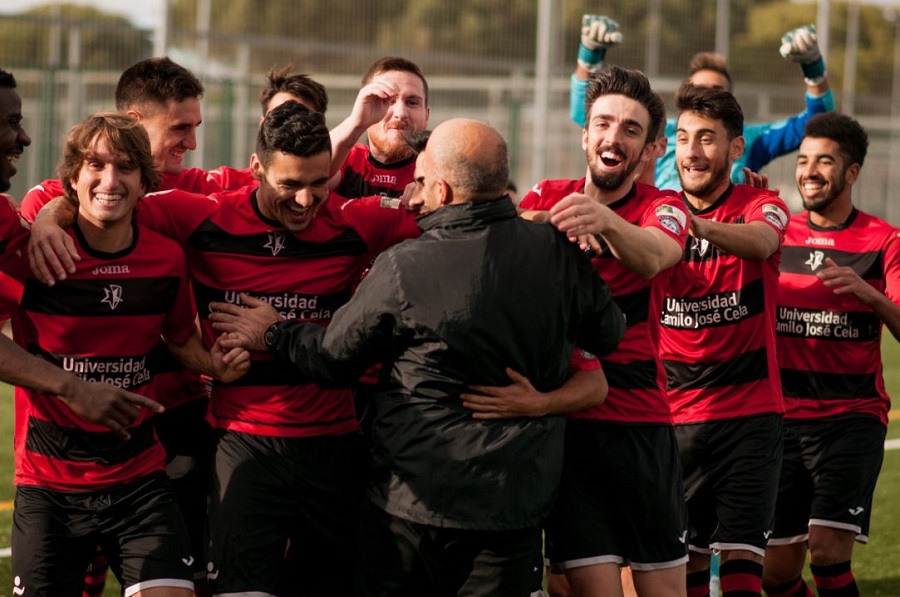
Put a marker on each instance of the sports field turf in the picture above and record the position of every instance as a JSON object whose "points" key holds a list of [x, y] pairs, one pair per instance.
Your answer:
{"points": [[876, 565]]}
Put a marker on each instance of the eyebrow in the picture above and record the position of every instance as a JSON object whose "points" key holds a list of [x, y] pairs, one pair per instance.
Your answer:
{"points": [[628, 121]]}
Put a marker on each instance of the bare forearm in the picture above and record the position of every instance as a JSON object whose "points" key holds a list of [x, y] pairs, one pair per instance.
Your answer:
{"points": [[20, 368], [582, 390]]}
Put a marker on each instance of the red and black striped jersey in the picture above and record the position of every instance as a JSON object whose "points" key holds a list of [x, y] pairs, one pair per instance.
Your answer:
{"points": [[718, 319], [364, 176], [102, 323], [13, 240], [232, 249], [634, 372], [829, 345]]}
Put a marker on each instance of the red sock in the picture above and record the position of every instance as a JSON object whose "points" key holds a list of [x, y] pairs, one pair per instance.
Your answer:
{"points": [[95, 577], [794, 588], [741, 578], [698, 583], [835, 580]]}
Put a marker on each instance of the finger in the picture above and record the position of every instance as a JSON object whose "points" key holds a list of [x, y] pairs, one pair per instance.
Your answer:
{"points": [[235, 340], [231, 309], [594, 243], [145, 402], [252, 301], [45, 265], [516, 377]]}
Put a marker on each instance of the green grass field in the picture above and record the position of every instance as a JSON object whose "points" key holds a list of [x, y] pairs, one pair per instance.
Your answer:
{"points": [[876, 565]]}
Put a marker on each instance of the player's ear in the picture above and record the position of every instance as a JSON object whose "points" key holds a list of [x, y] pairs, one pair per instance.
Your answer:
{"points": [[256, 167]]}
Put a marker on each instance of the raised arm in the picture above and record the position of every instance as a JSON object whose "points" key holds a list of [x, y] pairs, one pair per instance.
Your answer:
{"points": [[598, 33], [372, 103]]}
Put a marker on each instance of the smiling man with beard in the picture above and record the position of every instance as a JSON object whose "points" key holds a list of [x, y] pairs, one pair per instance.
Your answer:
{"points": [[628, 441], [718, 347], [391, 106], [839, 287]]}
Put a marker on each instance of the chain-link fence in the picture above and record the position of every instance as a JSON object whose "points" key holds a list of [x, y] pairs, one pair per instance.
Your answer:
{"points": [[478, 55]]}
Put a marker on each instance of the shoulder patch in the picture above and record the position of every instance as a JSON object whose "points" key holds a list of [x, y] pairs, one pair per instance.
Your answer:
{"points": [[775, 216]]}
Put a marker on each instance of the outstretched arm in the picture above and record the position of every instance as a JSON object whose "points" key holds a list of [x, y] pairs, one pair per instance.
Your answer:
{"points": [[598, 33], [99, 403], [846, 281]]}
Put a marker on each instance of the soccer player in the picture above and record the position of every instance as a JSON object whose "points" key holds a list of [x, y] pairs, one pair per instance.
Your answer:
{"points": [[391, 106], [102, 404], [839, 286], [282, 85], [763, 141], [455, 503], [718, 347], [628, 441], [78, 486], [165, 98], [286, 449]]}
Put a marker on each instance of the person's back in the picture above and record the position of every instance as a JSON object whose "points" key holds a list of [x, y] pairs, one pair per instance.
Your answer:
{"points": [[481, 290]]}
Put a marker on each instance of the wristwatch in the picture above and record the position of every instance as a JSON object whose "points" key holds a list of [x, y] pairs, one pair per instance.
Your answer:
{"points": [[273, 333]]}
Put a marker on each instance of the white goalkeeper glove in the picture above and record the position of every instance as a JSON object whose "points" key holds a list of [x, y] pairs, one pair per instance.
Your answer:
{"points": [[802, 46], [598, 33]]}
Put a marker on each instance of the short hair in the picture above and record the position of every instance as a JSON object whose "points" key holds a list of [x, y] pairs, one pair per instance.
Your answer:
{"points": [[282, 80], [122, 133], [633, 84], [7, 80], [850, 136], [292, 128], [155, 81], [395, 63], [716, 104], [710, 61]]}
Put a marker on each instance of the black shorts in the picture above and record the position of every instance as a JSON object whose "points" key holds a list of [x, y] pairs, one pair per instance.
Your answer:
{"points": [[731, 469], [284, 514], [828, 476], [187, 438], [138, 525], [400, 557], [620, 498]]}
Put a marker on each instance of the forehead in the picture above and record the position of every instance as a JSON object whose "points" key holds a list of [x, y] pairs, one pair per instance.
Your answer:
{"points": [[10, 102], [173, 112], [409, 84], [711, 79], [620, 108], [285, 166], [695, 121], [819, 146]]}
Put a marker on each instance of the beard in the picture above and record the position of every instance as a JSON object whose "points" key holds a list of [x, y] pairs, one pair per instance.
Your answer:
{"points": [[610, 181], [388, 152], [820, 205], [703, 189]]}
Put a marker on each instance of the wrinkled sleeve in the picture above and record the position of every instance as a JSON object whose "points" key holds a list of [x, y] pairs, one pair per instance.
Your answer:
{"points": [[577, 95], [780, 138], [360, 332]]}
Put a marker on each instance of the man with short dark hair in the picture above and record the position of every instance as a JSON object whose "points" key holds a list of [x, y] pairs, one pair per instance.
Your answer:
{"points": [[718, 347], [455, 503], [839, 287]]}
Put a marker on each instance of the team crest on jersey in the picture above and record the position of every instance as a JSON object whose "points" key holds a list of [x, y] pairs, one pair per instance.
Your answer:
{"points": [[587, 355], [112, 296], [775, 216], [276, 242], [389, 203], [672, 219], [816, 258]]}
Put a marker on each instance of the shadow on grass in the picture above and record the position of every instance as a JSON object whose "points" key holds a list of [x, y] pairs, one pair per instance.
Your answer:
{"points": [[885, 587]]}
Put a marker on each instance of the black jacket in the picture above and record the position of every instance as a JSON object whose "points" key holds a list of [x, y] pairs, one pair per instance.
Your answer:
{"points": [[479, 291]]}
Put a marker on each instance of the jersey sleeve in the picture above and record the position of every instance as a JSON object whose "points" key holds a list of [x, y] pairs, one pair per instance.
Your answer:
{"points": [[772, 140], [577, 95], [892, 267], [175, 214], [179, 324], [668, 214], [381, 221], [583, 361], [769, 208], [37, 197]]}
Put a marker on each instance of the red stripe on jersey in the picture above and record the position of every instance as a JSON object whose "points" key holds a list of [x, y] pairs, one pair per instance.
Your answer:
{"points": [[634, 372], [829, 345], [718, 320], [362, 176], [232, 249], [100, 325]]}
